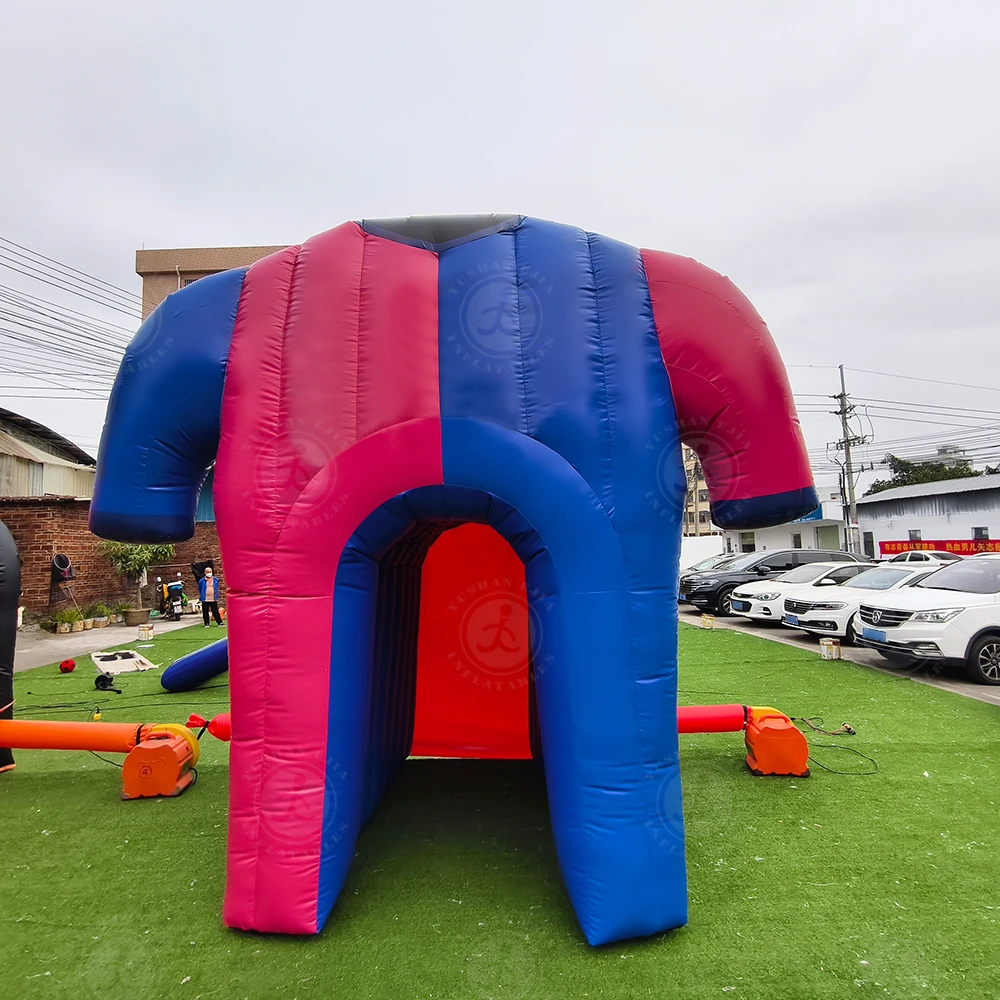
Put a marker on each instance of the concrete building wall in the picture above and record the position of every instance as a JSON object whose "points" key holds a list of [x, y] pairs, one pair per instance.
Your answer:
{"points": [[164, 271], [697, 505], [824, 529]]}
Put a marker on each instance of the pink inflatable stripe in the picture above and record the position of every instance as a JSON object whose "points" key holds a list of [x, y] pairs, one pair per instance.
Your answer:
{"points": [[734, 404], [362, 424]]}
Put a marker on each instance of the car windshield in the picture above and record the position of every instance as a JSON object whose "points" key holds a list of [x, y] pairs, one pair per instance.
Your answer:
{"points": [[970, 576], [712, 562], [745, 561], [879, 579], [805, 574]]}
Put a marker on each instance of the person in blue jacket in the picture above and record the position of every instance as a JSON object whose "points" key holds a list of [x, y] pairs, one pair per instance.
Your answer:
{"points": [[208, 590]]}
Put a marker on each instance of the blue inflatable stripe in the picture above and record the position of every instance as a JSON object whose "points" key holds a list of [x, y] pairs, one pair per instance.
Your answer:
{"points": [[510, 354], [165, 407], [195, 668], [761, 512]]}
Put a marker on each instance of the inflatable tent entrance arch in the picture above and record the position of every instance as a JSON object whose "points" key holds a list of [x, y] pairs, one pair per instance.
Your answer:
{"points": [[388, 378]]}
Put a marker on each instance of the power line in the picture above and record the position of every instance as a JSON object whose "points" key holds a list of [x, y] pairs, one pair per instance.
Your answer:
{"points": [[66, 287], [26, 252], [918, 378]]}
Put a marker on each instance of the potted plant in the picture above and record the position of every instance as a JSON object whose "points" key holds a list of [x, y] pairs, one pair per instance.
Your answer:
{"points": [[68, 620], [102, 615], [118, 609], [132, 561], [89, 614]]}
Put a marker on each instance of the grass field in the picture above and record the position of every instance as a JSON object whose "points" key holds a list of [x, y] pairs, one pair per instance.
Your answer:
{"points": [[826, 887]]}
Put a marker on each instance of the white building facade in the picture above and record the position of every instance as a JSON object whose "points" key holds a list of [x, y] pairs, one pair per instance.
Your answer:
{"points": [[954, 515], [822, 529]]}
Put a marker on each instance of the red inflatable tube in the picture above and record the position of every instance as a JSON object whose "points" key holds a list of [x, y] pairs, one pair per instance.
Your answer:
{"points": [[711, 718]]}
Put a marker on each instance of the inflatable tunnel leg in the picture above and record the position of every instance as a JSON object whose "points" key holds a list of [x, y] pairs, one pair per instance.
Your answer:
{"points": [[197, 667]]}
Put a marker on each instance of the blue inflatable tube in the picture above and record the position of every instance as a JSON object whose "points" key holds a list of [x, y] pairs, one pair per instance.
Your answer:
{"points": [[197, 667]]}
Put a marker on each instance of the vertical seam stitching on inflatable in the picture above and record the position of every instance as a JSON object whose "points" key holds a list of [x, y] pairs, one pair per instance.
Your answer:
{"points": [[644, 755], [270, 580], [357, 345], [523, 415], [604, 379], [673, 404]]}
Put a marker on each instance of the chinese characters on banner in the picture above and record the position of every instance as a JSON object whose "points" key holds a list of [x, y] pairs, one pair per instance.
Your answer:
{"points": [[958, 546]]}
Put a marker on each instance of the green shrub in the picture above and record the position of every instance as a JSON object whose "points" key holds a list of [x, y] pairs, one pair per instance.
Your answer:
{"points": [[133, 560], [67, 615]]}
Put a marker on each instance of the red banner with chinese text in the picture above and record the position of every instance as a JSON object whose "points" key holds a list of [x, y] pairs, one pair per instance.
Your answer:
{"points": [[958, 546]]}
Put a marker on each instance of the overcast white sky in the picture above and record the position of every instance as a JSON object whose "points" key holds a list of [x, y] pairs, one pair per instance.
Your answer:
{"points": [[839, 162]]}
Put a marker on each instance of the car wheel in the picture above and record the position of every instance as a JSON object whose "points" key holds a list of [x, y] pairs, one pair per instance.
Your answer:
{"points": [[983, 664], [848, 639], [724, 603]]}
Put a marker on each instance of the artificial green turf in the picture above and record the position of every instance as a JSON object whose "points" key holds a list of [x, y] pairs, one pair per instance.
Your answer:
{"points": [[826, 887]]}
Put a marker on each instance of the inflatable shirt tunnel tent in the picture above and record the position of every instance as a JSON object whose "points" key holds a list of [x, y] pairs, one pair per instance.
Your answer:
{"points": [[387, 383]]}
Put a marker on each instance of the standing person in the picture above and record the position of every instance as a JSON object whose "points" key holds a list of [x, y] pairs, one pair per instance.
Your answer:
{"points": [[208, 589]]}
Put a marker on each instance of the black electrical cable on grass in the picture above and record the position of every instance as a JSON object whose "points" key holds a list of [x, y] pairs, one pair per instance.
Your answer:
{"points": [[113, 763], [834, 746], [815, 723]]}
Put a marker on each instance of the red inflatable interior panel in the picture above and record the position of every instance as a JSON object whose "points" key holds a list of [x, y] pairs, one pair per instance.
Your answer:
{"points": [[472, 650]]}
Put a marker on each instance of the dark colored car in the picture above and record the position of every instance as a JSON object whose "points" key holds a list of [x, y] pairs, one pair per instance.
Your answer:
{"points": [[712, 589]]}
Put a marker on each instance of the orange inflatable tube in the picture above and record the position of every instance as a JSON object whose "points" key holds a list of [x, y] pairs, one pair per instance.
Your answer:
{"points": [[111, 737]]}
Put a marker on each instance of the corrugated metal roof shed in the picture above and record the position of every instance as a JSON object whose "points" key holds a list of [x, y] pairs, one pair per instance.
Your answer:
{"points": [[968, 484]]}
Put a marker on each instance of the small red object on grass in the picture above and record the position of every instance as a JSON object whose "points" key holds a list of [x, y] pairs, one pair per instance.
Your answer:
{"points": [[67, 666], [221, 727], [196, 722]]}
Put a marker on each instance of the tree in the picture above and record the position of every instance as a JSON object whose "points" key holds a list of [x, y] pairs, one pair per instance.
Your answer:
{"points": [[911, 473], [133, 560]]}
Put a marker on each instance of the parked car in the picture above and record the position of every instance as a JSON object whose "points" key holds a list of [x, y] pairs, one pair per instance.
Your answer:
{"points": [[833, 614], [712, 562], [712, 590], [924, 556], [952, 617], [762, 601]]}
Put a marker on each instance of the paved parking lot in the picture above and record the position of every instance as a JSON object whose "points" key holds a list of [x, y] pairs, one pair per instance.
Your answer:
{"points": [[950, 679]]}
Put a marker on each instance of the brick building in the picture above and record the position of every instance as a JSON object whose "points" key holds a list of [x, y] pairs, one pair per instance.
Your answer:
{"points": [[46, 526]]}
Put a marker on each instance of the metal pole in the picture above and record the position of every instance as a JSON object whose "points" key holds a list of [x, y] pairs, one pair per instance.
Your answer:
{"points": [[852, 539]]}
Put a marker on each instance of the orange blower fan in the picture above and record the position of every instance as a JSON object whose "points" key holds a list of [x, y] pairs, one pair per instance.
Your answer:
{"points": [[160, 758], [774, 745]]}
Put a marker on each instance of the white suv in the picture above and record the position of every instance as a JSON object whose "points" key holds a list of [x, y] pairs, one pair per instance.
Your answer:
{"points": [[953, 616], [833, 614], [762, 601]]}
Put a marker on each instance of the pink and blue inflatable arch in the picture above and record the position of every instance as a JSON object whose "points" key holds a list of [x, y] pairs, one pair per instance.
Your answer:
{"points": [[386, 381]]}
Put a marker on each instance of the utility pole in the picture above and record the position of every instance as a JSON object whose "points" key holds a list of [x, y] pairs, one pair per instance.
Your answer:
{"points": [[844, 411]]}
